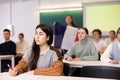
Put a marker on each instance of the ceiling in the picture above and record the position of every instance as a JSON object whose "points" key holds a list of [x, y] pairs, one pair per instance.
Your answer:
{"points": [[83, 1], [7, 1]]}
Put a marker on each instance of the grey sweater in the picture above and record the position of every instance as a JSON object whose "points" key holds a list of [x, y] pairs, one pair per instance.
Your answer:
{"points": [[45, 60], [84, 49]]}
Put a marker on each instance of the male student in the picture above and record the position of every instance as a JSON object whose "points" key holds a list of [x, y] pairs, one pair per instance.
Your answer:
{"points": [[7, 48]]}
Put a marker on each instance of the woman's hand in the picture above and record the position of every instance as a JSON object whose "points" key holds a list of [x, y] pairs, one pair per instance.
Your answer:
{"points": [[54, 23], [114, 62], [12, 72], [69, 58], [76, 59], [30, 72]]}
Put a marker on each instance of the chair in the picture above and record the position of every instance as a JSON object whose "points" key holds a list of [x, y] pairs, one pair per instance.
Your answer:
{"points": [[66, 69], [4, 60], [101, 72], [71, 71]]}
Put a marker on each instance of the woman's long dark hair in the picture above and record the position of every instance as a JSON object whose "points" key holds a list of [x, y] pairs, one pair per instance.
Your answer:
{"points": [[118, 31], [32, 64], [72, 23]]}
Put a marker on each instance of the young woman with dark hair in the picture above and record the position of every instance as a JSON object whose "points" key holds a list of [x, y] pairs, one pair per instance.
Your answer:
{"points": [[41, 58], [69, 21]]}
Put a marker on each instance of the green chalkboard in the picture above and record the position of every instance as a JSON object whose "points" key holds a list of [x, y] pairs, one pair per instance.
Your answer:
{"points": [[50, 17]]}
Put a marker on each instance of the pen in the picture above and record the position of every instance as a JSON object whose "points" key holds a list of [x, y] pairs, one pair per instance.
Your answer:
{"points": [[9, 67]]}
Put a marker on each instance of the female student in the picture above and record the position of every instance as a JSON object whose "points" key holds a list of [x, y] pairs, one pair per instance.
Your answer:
{"points": [[65, 34], [41, 58], [83, 50], [112, 53], [21, 47], [22, 44]]}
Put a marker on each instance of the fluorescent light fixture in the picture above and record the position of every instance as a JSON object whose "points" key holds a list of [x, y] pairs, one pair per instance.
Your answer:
{"points": [[60, 9]]}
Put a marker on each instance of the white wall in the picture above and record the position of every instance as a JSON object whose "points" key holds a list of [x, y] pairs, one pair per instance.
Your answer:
{"points": [[24, 18], [4, 18]]}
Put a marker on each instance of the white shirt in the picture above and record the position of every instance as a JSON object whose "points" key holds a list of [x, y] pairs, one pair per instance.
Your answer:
{"points": [[99, 45], [108, 41], [106, 55], [21, 47]]}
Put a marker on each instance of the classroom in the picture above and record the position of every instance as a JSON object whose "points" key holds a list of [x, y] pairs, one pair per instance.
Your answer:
{"points": [[59, 39]]}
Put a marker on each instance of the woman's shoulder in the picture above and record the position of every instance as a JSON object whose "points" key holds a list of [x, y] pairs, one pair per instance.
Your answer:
{"points": [[115, 42], [89, 41], [56, 50], [28, 52]]}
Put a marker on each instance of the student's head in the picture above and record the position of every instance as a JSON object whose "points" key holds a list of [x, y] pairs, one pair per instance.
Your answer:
{"points": [[97, 34], [6, 34], [69, 20], [82, 33], [118, 33], [43, 36], [112, 34], [21, 37]]}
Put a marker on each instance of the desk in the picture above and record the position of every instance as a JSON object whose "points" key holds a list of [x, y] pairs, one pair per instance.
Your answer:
{"points": [[6, 76], [74, 68], [7, 57], [69, 78], [79, 64]]}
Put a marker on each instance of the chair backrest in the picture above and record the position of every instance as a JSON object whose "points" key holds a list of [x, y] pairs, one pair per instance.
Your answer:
{"points": [[66, 69], [101, 72]]}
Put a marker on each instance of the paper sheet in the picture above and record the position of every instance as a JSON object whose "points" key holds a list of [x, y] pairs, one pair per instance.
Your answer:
{"points": [[69, 37], [6, 76]]}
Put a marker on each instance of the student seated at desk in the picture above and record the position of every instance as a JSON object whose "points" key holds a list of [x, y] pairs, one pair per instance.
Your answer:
{"points": [[111, 38], [22, 45], [83, 50], [112, 53], [41, 58], [98, 42], [7, 48]]}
